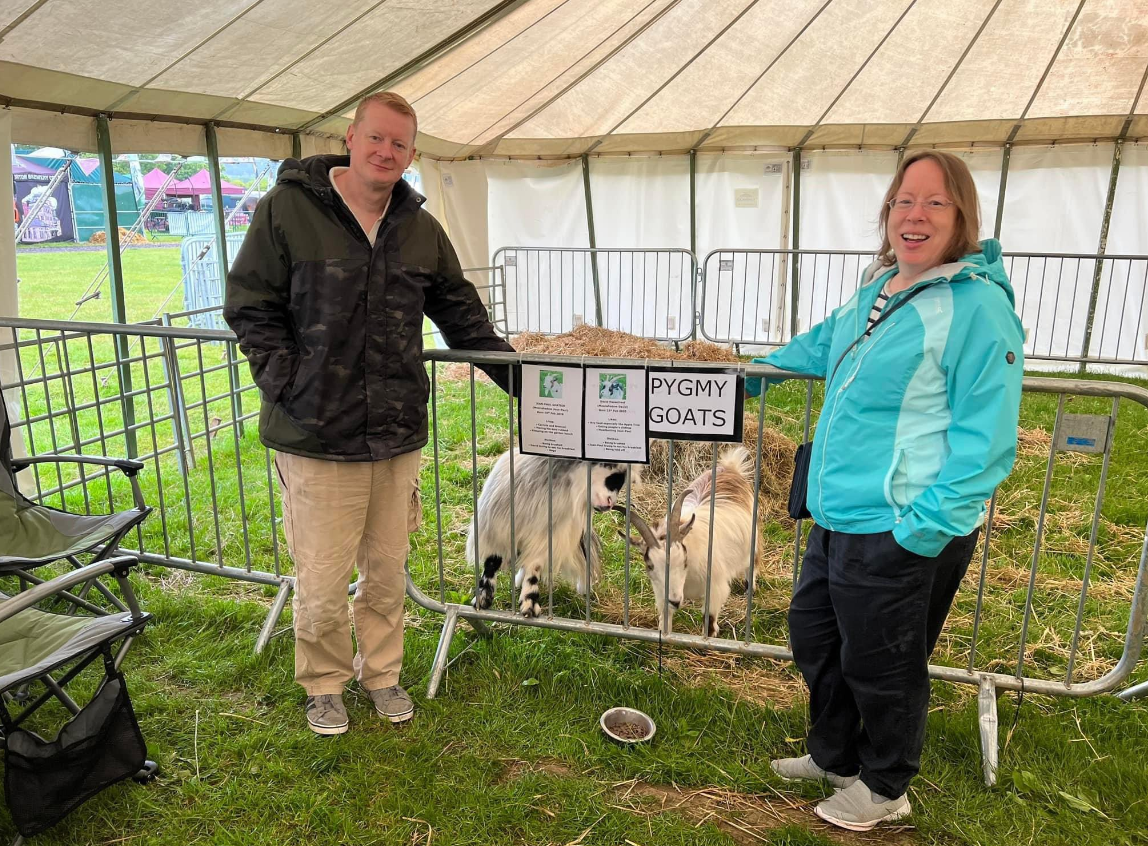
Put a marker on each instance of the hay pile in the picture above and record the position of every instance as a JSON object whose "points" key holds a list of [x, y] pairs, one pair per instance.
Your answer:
{"points": [[102, 238], [599, 342], [596, 341]]}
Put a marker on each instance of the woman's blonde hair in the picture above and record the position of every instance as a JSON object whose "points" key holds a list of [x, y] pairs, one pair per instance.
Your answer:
{"points": [[962, 191]]}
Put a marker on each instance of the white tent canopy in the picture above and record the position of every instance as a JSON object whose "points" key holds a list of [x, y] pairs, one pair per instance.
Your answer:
{"points": [[564, 77]]}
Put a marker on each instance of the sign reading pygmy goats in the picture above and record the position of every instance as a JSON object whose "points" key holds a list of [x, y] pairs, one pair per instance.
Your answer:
{"points": [[610, 413], [696, 404]]}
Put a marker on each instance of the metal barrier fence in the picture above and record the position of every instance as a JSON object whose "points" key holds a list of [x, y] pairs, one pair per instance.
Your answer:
{"points": [[1074, 306], [649, 293], [579, 614], [202, 280], [178, 399], [178, 403]]}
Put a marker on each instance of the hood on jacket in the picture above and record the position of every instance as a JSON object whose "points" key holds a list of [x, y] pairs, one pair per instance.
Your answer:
{"points": [[986, 265], [314, 174]]}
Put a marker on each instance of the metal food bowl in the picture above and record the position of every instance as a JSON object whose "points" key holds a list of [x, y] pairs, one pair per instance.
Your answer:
{"points": [[615, 720]]}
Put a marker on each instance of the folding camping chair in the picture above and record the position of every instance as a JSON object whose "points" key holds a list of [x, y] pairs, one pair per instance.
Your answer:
{"points": [[101, 744], [32, 535]]}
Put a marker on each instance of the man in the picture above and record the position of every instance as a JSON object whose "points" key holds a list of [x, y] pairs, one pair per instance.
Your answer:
{"points": [[327, 298]]}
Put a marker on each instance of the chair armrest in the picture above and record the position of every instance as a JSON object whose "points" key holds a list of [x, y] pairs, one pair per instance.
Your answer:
{"points": [[33, 595], [129, 467]]}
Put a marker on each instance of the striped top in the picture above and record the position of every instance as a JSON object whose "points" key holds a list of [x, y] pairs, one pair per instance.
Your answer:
{"points": [[875, 312]]}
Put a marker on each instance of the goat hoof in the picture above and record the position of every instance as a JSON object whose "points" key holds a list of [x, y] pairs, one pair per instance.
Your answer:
{"points": [[530, 608], [483, 600]]}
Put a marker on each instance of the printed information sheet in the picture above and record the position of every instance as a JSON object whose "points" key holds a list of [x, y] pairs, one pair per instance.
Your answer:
{"points": [[615, 418], [550, 411]]}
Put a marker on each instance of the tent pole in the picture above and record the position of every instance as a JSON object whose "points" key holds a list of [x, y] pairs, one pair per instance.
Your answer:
{"points": [[217, 197], [1001, 193], [116, 278], [1117, 151], [222, 261], [593, 237], [296, 145], [694, 238], [795, 244]]}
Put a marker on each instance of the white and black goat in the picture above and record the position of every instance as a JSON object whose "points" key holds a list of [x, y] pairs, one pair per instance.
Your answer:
{"points": [[534, 519], [733, 527]]}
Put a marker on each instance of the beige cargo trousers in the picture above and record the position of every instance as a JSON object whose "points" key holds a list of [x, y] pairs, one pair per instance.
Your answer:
{"points": [[339, 516]]}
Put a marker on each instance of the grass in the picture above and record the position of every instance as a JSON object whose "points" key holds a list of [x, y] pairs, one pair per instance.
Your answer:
{"points": [[510, 751]]}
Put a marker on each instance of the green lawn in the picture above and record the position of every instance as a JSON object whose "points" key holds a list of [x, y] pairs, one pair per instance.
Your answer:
{"points": [[510, 751]]}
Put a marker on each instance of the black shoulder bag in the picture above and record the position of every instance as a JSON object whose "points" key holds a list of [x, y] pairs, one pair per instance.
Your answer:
{"points": [[799, 488]]}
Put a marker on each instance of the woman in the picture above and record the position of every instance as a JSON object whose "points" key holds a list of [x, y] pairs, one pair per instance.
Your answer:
{"points": [[917, 429]]}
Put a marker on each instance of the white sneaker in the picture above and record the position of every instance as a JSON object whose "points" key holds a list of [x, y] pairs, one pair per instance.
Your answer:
{"points": [[803, 769], [857, 808]]}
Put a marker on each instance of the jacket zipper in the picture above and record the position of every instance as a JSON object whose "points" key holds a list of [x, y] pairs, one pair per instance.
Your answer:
{"points": [[837, 405]]}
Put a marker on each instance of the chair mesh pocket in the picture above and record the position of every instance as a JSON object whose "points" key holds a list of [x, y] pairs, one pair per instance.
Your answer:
{"points": [[44, 781]]}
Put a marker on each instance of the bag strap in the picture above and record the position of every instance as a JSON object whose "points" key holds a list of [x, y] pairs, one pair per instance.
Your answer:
{"points": [[888, 312]]}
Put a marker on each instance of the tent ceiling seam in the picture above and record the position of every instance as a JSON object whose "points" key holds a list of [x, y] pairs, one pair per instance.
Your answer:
{"points": [[674, 75], [494, 13], [1047, 70], [20, 18], [760, 76], [307, 54], [136, 89], [968, 49], [493, 143], [486, 56], [1135, 102], [857, 73]]}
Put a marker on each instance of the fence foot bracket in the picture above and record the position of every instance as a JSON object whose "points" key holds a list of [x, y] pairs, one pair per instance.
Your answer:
{"points": [[440, 654], [987, 709], [281, 597], [1134, 692]]}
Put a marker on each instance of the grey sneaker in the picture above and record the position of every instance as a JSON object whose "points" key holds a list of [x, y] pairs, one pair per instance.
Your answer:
{"points": [[858, 808], [393, 703], [326, 714], [803, 769]]}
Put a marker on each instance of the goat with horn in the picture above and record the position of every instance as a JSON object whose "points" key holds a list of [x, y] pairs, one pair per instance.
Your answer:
{"points": [[685, 550]]}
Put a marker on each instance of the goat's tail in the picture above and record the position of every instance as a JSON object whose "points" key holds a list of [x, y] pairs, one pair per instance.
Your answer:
{"points": [[738, 460]]}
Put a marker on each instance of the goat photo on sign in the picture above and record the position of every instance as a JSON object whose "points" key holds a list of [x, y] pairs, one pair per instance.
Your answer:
{"points": [[536, 521]]}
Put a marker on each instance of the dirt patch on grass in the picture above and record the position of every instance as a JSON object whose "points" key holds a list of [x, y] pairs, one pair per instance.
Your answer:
{"points": [[748, 819]]}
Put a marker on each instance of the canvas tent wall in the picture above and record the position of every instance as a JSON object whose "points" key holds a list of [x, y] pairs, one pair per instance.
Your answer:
{"points": [[643, 89]]}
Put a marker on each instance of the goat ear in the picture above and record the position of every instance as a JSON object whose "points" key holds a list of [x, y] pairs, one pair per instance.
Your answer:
{"points": [[634, 540], [684, 528]]}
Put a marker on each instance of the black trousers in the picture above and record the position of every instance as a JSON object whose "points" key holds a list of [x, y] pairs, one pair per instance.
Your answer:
{"points": [[863, 621]]}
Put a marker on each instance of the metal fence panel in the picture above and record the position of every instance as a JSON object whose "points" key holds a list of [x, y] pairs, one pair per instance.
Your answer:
{"points": [[215, 496], [1074, 307], [202, 281], [649, 293]]}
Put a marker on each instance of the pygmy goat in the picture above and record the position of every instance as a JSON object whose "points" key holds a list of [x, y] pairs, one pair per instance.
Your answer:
{"points": [[565, 518], [732, 494]]}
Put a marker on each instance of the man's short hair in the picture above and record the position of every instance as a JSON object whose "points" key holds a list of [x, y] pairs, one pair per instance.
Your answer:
{"points": [[391, 100]]}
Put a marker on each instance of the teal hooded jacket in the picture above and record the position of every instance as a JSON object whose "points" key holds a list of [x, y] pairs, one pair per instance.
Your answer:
{"points": [[919, 421]]}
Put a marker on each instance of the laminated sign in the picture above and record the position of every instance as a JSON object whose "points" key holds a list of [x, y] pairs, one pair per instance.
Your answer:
{"points": [[610, 413], [615, 415], [550, 411], [696, 404]]}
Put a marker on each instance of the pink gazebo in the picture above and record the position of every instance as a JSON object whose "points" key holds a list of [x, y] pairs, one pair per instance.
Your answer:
{"points": [[195, 186]]}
